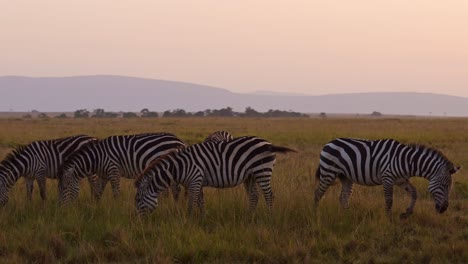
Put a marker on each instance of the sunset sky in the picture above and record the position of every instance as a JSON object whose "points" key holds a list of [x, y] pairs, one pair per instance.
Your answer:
{"points": [[312, 47]]}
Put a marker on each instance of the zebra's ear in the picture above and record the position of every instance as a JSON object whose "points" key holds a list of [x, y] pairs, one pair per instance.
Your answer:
{"points": [[455, 170]]}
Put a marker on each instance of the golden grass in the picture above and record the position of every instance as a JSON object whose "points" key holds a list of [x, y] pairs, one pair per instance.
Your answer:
{"points": [[110, 231]]}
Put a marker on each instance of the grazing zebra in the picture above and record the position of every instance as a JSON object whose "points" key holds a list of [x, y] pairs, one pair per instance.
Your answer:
{"points": [[36, 161], [115, 157], [219, 136], [222, 164], [384, 162]]}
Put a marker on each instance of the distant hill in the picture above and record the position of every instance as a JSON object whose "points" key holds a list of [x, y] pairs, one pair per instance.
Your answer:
{"points": [[119, 93]]}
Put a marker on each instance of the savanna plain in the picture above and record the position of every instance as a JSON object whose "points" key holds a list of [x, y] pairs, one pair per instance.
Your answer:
{"points": [[109, 230]]}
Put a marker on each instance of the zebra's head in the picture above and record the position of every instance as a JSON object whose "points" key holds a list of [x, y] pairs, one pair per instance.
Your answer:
{"points": [[146, 199], [68, 185], [440, 187]]}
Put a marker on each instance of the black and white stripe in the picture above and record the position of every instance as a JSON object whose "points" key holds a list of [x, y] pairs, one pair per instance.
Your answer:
{"points": [[37, 161], [217, 136], [223, 164], [384, 162], [114, 157]]}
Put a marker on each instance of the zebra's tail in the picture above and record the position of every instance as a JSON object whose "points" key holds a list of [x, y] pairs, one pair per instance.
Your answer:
{"points": [[317, 176], [281, 149]]}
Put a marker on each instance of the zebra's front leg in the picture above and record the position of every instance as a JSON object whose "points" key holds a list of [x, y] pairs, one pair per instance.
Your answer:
{"points": [[101, 187], [29, 187], [115, 184], [93, 181], [41, 182], [388, 192], [175, 188], [346, 192], [201, 202], [411, 190], [194, 189]]}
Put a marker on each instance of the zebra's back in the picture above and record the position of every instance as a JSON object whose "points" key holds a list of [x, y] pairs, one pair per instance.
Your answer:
{"points": [[228, 163], [133, 153], [362, 161]]}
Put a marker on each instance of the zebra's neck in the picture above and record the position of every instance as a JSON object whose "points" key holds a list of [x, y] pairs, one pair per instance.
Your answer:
{"points": [[424, 162], [19, 163], [165, 174]]}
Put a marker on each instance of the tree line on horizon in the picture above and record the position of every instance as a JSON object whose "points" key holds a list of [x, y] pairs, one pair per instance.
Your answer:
{"points": [[146, 113]]}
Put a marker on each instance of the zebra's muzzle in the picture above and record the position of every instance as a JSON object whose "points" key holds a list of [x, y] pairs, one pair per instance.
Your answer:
{"points": [[441, 208]]}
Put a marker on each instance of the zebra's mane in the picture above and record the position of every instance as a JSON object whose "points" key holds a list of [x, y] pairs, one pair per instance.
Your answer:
{"points": [[10, 157], [432, 150], [153, 164]]}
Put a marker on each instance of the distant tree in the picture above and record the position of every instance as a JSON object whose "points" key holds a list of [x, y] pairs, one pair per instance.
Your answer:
{"points": [[323, 115], [224, 112], [82, 113], [100, 113], [62, 115], [110, 115], [375, 113], [280, 113], [42, 115], [147, 113], [250, 112], [129, 115], [199, 114]]}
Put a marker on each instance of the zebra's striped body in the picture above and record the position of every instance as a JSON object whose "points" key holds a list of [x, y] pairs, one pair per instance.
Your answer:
{"points": [[384, 162], [222, 164], [114, 157], [217, 136], [37, 161]]}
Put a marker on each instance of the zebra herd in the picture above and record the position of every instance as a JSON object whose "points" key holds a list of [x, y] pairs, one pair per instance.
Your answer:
{"points": [[161, 161]]}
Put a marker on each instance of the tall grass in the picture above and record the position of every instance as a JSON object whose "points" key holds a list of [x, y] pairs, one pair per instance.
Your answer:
{"points": [[109, 231]]}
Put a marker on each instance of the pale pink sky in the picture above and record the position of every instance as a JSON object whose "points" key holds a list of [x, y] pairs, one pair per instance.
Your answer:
{"points": [[314, 47]]}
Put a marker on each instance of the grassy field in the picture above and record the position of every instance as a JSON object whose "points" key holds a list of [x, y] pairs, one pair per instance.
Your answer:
{"points": [[109, 231]]}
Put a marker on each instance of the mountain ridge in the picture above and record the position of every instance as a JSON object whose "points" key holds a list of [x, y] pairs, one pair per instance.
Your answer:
{"points": [[125, 93]]}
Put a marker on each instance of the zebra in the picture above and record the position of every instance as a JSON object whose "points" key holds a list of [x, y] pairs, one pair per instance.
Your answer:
{"points": [[37, 161], [214, 137], [385, 162], [113, 157], [223, 164], [219, 136]]}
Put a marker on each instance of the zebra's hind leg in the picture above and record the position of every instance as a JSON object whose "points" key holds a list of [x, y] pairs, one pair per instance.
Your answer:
{"points": [[252, 192], [323, 183], [346, 191], [264, 182], [411, 190]]}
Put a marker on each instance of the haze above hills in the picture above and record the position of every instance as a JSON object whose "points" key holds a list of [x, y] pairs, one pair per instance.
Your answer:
{"points": [[120, 93]]}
